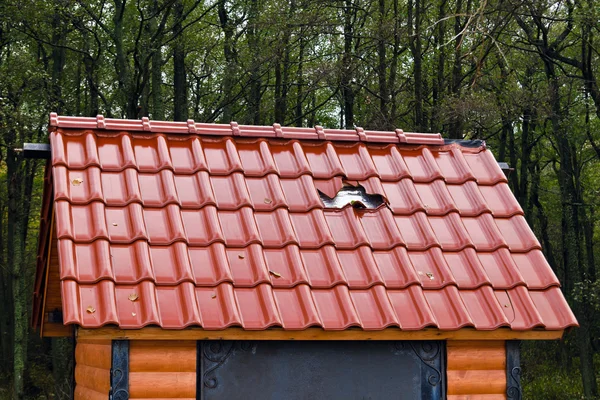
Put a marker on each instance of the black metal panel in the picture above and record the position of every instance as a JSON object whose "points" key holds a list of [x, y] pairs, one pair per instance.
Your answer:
{"points": [[513, 370], [36, 150], [295, 370], [119, 371]]}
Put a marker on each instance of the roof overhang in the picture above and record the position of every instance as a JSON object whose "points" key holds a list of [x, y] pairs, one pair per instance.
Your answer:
{"points": [[156, 333]]}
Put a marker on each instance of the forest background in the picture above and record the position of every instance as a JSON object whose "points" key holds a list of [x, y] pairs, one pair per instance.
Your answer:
{"points": [[520, 74]]}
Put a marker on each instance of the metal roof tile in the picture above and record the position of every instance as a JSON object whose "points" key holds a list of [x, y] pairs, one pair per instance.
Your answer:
{"points": [[517, 233], [412, 310], [389, 163], [186, 155], [335, 307], [431, 268], [297, 308], [346, 229], [500, 199], [215, 230], [286, 266], [421, 164], [221, 156], [257, 307], [402, 197], [210, 265], [248, 266], [77, 186], [374, 308], [218, 307], [121, 188], [266, 193], [519, 308], [450, 232], [202, 227], [290, 159], [435, 198], [301, 194], [194, 191], [256, 158], [230, 191], [275, 228], [396, 268], [484, 167], [535, 270], [466, 269], [323, 160], [312, 229], [468, 199], [164, 225], [553, 308], [416, 231], [359, 267], [448, 308], [483, 307], [356, 162], [381, 229], [151, 152], [171, 264], [323, 267], [182, 296], [158, 189], [501, 269], [239, 227], [455, 167]]}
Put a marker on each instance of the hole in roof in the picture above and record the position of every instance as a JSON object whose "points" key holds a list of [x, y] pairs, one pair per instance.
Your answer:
{"points": [[356, 196]]}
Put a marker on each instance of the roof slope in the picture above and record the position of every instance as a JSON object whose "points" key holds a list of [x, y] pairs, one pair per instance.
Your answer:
{"points": [[211, 225]]}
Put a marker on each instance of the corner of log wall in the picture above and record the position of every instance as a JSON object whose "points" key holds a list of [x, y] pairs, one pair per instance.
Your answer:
{"points": [[476, 370], [92, 369]]}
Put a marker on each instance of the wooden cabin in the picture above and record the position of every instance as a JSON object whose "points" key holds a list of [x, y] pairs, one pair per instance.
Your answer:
{"points": [[207, 261]]}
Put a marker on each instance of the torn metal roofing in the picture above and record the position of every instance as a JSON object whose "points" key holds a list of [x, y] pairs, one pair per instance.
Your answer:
{"points": [[223, 225]]}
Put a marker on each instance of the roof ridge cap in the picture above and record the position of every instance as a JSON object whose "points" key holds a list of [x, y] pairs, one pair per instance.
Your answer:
{"points": [[234, 129]]}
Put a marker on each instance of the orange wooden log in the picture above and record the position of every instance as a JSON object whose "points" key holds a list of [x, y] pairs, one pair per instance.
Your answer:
{"points": [[84, 393], [476, 382], [93, 355], [476, 355], [166, 356], [162, 385], [96, 379]]}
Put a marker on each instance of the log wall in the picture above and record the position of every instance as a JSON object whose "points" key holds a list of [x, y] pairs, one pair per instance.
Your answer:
{"points": [[476, 370], [162, 369], [92, 369]]}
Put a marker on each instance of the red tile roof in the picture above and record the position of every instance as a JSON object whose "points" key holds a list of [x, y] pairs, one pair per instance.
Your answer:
{"points": [[222, 225]]}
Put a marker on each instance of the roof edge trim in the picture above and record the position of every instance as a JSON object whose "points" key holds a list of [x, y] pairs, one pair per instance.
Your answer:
{"points": [[235, 333], [233, 129]]}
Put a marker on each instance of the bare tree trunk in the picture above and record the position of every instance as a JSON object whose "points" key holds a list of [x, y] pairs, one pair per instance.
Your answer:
{"points": [[414, 40], [254, 100], [180, 93], [456, 123], [346, 81], [438, 88], [299, 114], [228, 30]]}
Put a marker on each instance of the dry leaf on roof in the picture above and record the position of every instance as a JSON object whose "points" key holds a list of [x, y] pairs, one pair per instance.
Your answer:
{"points": [[133, 297], [90, 310], [77, 181], [275, 274]]}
